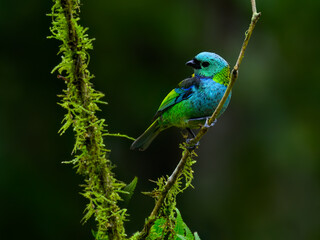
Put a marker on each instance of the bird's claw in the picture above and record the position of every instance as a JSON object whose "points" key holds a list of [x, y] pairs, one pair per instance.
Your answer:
{"points": [[192, 147], [211, 125]]}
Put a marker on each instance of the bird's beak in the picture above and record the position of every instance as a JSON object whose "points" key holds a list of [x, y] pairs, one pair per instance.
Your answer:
{"points": [[194, 63]]}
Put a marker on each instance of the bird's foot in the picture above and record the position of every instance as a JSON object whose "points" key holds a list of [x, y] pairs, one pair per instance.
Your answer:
{"points": [[211, 125], [192, 147], [192, 133]]}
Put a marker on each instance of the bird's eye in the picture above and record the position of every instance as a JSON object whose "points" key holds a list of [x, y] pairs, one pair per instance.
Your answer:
{"points": [[205, 64]]}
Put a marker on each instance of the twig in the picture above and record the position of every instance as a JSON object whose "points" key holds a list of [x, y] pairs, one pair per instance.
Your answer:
{"points": [[254, 8], [177, 172], [63, 78], [171, 180]]}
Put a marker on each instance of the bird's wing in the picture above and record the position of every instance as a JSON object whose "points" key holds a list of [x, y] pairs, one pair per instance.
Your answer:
{"points": [[182, 92], [189, 82]]}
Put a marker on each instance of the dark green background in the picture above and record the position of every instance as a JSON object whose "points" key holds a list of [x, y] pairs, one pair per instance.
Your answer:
{"points": [[258, 170]]}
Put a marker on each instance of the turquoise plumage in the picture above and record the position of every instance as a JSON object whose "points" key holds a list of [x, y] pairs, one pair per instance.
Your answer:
{"points": [[193, 101]]}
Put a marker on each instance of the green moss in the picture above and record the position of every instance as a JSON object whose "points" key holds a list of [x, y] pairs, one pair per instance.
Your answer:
{"points": [[81, 101]]}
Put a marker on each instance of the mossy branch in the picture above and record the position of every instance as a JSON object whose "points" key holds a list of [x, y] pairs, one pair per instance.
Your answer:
{"points": [[172, 180], [80, 100]]}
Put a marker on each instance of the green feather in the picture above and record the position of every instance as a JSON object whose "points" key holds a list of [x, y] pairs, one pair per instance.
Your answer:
{"points": [[169, 100], [143, 142]]}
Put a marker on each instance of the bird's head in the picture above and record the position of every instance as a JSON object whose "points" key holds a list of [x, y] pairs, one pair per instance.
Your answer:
{"points": [[207, 64]]}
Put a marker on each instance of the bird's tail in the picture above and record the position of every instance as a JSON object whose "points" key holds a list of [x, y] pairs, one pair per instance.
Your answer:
{"points": [[143, 142]]}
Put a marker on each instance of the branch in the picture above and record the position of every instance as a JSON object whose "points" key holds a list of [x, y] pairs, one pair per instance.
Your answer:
{"points": [[254, 8], [80, 100], [171, 181], [203, 130]]}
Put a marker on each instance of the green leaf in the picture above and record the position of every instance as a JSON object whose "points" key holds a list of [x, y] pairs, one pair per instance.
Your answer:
{"points": [[157, 230], [196, 236], [181, 229], [95, 235], [181, 237], [129, 189], [180, 225], [189, 234]]}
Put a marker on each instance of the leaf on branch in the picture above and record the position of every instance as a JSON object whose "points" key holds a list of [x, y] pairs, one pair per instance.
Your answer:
{"points": [[128, 190]]}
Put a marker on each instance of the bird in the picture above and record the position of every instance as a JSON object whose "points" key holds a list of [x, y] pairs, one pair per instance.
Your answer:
{"points": [[193, 101]]}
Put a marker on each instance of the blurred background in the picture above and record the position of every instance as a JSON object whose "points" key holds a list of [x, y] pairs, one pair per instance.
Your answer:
{"points": [[258, 171]]}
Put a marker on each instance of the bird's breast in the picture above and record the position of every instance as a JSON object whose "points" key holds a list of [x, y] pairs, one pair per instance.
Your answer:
{"points": [[207, 97]]}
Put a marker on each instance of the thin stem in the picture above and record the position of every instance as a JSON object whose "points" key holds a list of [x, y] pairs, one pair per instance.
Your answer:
{"points": [[177, 172], [171, 180], [254, 8], [254, 20]]}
